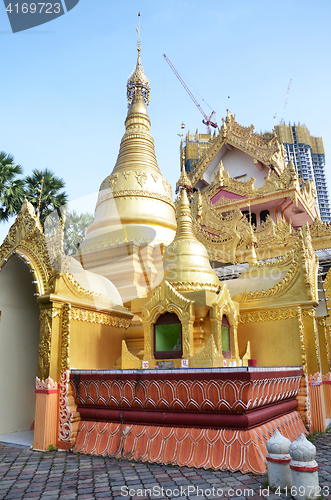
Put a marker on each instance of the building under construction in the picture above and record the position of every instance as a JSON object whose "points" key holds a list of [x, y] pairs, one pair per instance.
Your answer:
{"points": [[309, 160]]}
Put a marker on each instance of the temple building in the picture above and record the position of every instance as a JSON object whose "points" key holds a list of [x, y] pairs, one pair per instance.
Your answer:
{"points": [[137, 347]]}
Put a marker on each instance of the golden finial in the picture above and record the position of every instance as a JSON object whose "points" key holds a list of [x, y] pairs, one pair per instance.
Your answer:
{"points": [[138, 31], [138, 84]]}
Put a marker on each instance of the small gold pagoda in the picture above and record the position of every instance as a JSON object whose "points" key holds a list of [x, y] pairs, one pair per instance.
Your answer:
{"points": [[189, 320]]}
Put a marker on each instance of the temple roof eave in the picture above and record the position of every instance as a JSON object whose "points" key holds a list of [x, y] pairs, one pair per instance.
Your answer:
{"points": [[270, 157], [291, 193]]}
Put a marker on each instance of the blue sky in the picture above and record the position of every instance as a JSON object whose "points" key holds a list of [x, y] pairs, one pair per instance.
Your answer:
{"points": [[64, 83]]}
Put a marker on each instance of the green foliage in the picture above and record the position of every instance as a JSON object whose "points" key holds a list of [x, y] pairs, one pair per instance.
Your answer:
{"points": [[11, 188], [51, 191], [51, 447], [74, 230]]}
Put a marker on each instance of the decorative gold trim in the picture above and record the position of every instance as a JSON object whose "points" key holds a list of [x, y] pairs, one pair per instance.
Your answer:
{"points": [[65, 338], [279, 287], [269, 315], [268, 152], [193, 286], [26, 237], [128, 360], [99, 318], [302, 340], [45, 336], [224, 305], [76, 288], [135, 193], [166, 299], [209, 356]]}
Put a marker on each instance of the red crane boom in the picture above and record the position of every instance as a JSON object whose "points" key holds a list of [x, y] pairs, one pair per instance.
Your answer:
{"points": [[207, 120]]}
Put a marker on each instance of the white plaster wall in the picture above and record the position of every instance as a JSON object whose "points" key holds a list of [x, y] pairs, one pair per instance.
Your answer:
{"points": [[239, 163], [19, 337]]}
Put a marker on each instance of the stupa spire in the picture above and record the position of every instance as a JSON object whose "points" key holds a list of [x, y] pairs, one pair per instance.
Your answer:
{"points": [[184, 219], [135, 204], [138, 84], [185, 262]]}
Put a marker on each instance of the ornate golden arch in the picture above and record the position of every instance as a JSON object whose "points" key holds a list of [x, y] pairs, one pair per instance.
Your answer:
{"points": [[26, 240], [166, 299], [224, 305]]}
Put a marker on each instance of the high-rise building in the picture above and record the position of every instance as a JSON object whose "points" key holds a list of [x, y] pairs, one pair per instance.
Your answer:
{"points": [[309, 160]]}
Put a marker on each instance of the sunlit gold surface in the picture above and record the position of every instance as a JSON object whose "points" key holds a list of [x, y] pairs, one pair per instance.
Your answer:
{"points": [[135, 214], [135, 194], [190, 289], [186, 262]]}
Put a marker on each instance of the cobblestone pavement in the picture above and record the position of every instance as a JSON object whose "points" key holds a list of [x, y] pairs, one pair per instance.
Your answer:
{"points": [[27, 474]]}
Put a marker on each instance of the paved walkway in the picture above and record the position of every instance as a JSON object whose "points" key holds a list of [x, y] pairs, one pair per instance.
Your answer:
{"points": [[27, 474]]}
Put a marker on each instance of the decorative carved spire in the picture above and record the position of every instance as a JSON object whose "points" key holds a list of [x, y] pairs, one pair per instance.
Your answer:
{"points": [[183, 181], [138, 84], [185, 262], [184, 219], [251, 245]]}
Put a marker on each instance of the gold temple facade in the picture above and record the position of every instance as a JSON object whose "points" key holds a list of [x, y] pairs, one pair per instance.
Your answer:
{"points": [[271, 221], [144, 293]]}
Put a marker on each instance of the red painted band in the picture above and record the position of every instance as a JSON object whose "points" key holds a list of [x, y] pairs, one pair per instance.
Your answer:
{"points": [[326, 382], [279, 460], [304, 469], [244, 375], [46, 391], [232, 420]]}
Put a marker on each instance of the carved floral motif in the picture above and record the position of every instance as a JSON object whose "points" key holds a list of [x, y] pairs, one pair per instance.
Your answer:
{"points": [[45, 336], [269, 315], [65, 429], [99, 318], [141, 178], [65, 337]]}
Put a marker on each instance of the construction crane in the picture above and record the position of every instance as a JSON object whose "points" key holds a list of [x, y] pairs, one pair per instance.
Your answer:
{"points": [[207, 119], [286, 99], [285, 102]]}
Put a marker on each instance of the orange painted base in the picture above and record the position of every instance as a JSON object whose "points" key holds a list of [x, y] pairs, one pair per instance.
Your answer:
{"points": [[221, 449], [317, 408], [46, 420], [327, 393]]}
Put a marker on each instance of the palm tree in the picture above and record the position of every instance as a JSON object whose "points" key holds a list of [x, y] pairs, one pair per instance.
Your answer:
{"points": [[46, 193], [11, 188], [74, 230]]}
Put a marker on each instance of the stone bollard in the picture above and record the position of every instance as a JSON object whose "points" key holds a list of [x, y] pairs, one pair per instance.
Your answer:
{"points": [[278, 458], [304, 469]]}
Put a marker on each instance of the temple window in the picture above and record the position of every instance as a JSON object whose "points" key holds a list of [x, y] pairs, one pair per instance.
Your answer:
{"points": [[263, 215], [226, 339], [251, 216], [168, 337]]}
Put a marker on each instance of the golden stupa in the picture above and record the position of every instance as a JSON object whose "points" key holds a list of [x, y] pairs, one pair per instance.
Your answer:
{"points": [[135, 214], [186, 261]]}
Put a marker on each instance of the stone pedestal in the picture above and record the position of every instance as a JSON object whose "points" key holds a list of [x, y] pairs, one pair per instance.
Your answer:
{"points": [[304, 470], [278, 458]]}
